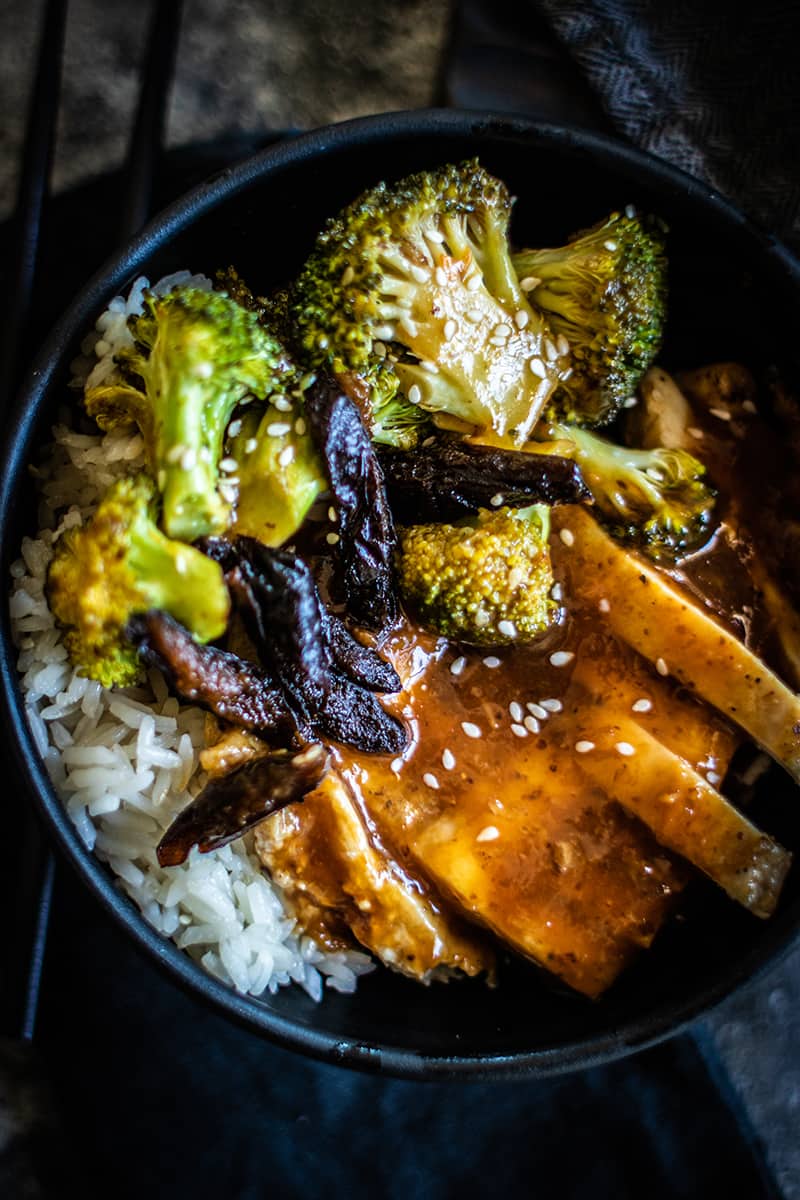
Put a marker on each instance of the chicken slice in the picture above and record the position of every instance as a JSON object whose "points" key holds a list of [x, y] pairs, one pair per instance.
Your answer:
{"points": [[328, 864], [649, 612], [554, 867], [682, 809]]}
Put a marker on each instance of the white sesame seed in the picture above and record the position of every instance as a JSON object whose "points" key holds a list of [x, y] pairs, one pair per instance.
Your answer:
{"points": [[441, 276], [502, 330], [429, 366], [473, 315], [562, 344], [497, 341], [749, 407], [662, 667], [625, 749], [448, 759], [408, 326], [481, 618], [385, 333], [175, 452], [603, 605], [332, 514], [560, 658], [531, 724], [496, 500], [565, 374], [414, 394], [519, 730], [379, 348], [538, 710], [204, 370], [551, 354], [567, 537], [471, 730], [515, 709], [205, 454], [278, 429], [552, 705], [300, 426], [643, 705], [630, 211], [282, 403], [521, 318], [331, 538], [631, 402], [491, 662], [529, 283], [721, 414], [235, 427], [250, 445], [397, 765], [489, 834], [714, 778], [458, 664], [507, 629], [286, 456], [450, 328], [537, 367], [556, 592], [694, 432], [228, 465], [188, 459], [584, 747], [609, 245], [474, 282], [430, 780], [515, 577], [228, 492]]}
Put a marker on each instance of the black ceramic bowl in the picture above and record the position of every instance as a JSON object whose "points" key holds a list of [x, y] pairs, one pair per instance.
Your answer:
{"points": [[735, 293]]}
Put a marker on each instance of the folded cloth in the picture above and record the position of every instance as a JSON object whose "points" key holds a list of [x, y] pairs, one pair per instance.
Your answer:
{"points": [[712, 87], [161, 1097]]}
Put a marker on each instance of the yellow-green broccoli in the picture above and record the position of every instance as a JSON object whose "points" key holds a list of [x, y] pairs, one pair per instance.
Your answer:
{"points": [[486, 581], [120, 563], [197, 355], [657, 498], [419, 275], [278, 474], [604, 295]]}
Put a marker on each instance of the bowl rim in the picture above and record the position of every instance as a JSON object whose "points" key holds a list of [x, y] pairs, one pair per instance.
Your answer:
{"points": [[21, 419]]}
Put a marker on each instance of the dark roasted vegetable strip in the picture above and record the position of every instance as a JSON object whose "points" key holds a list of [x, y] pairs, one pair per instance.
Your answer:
{"points": [[360, 663], [367, 539], [278, 597], [231, 688], [449, 480], [229, 806]]}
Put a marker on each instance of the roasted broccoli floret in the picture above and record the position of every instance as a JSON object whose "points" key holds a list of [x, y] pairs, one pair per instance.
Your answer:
{"points": [[604, 294], [120, 563], [486, 581], [657, 498], [197, 354], [420, 272], [276, 472]]}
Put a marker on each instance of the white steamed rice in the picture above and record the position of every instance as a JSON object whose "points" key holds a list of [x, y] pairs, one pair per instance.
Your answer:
{"points": [[126, 762]]}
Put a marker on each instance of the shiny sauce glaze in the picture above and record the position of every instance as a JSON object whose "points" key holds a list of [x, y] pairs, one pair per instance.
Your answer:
{"points": [[493, 810]]}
